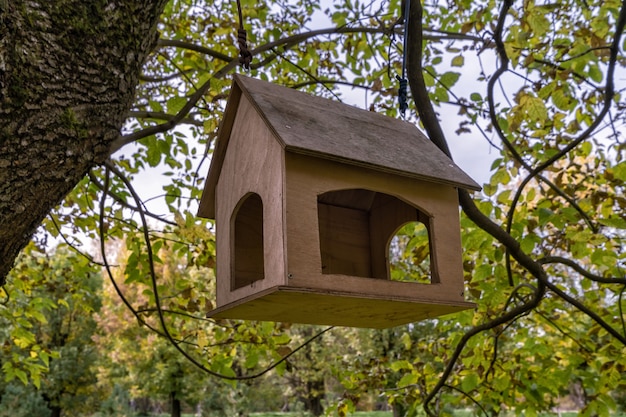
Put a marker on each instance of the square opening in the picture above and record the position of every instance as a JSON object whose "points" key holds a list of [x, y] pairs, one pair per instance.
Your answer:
{"points": [[357, 228]]}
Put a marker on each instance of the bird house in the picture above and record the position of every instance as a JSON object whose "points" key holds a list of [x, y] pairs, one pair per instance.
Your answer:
{"points": [[307, 194]]}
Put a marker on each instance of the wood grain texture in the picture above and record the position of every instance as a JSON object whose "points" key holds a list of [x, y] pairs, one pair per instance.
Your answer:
{"points": [[324, 211], [387, 215], [253, 163], [408, 200], [313, 306]]}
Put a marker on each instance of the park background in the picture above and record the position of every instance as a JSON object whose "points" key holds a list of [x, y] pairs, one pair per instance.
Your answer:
{"points": [[104, 309]]}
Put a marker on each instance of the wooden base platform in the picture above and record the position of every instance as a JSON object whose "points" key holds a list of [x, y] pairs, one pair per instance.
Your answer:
{"points": [[314, 306]]}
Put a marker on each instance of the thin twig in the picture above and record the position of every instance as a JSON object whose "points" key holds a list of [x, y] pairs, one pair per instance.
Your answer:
{"points": [[286, 42], [158, 115], [472, 399], [125, 204], [176, 43], [568, 262], [71, 245]]}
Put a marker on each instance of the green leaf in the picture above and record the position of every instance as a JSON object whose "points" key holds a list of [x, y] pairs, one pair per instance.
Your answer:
{"points": [[562, 100], [535, 108], [595, 73], [252, 359], [406, 340], [482, 273], [614, 221], [619, 171], [153, 155], [155, 105], [175, 104], [528, 242], [586, 148], [545, 215], [407, 380], [538, 22], [470, 382], [399, 365], [458, 61], [282, 339], [449, 78], [476, 97], [21, 375]]}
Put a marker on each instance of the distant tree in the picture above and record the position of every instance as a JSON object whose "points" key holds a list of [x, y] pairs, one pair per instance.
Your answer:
{"points": [[91, 98], [150, 369], [308, 370], [55, 297]]}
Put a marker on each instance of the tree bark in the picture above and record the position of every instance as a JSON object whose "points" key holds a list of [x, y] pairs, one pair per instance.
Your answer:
{"points": [[55, 411], [176, 405], [68, 71], [315, 394]]}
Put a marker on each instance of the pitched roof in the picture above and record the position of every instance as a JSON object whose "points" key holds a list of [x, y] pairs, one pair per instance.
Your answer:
{"points": [[332, 130]]}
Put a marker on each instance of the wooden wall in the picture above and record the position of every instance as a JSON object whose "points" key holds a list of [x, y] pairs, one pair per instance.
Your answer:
{"points": [[253, 163]]}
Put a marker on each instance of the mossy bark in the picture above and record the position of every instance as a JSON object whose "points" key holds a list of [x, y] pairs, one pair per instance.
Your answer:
{"points": [[68, 71]]}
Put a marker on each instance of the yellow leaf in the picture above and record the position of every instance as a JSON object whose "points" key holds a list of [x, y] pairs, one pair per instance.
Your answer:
{"points": [[458, 61]]}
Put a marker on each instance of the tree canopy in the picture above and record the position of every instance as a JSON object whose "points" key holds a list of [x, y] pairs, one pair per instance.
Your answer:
{"points": [[102, 100]]}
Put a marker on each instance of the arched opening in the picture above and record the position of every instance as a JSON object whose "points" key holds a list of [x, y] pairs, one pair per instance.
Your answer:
{"points": [[356, 228], [247, 265], [409, 254]]}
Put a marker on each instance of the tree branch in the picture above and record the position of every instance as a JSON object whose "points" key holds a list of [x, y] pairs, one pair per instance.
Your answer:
{"points": [[472, 399], [433, 128], [157, 115], [609, 92], [568, 262], [193, 47], [150, 79], [286, 42], [580, 306], [72, 245], [171, 123], [123, 202]]}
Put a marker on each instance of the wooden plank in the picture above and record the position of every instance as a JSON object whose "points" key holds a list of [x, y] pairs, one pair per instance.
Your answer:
{"points": [[344, 241], [362, 287], [253, 163], [312, 306], [358, 199], [309, 177], [387, 215], [207, 201]]}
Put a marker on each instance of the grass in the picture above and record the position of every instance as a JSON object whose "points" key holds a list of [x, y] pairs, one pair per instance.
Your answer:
{"points": [[358, 414], [460, 413]]}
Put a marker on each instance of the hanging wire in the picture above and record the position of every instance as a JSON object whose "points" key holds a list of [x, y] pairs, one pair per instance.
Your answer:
{"points": [[403, 88], [245, 56]]}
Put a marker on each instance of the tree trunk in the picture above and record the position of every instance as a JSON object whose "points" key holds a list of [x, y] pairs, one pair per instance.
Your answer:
{"points": [[313, 401], [399, 410], [68, 71], [176, 406], [55, 411]]}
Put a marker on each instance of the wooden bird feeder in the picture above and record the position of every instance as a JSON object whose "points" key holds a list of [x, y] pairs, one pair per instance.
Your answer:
{"points": [[307, 193]]}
